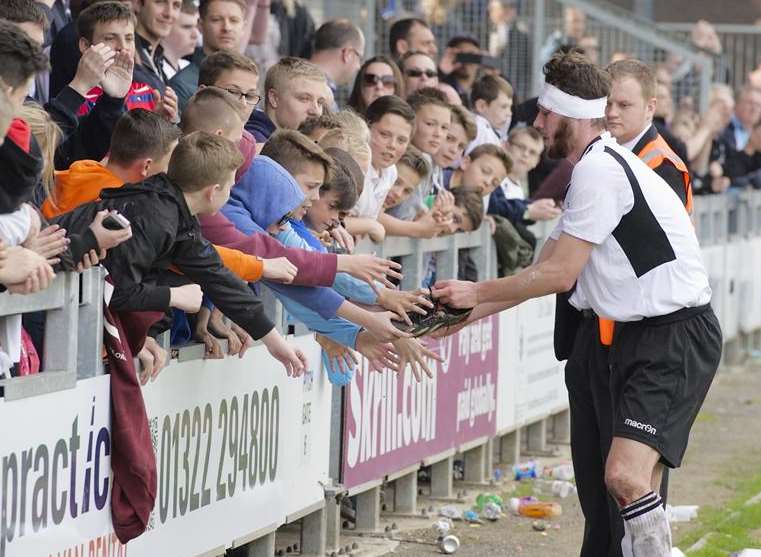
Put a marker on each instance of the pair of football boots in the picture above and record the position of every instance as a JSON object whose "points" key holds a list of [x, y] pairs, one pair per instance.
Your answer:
{"points": [[441, 316]]}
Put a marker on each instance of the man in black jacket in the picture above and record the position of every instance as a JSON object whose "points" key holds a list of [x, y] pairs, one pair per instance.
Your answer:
{"points": [[166, 235]]}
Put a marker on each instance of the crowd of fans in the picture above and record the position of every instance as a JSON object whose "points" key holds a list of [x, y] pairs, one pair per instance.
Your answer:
{"points": [[143, 136]]}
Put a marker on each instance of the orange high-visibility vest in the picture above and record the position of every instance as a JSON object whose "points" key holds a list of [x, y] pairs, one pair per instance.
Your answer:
{"points": [[653, 154]]}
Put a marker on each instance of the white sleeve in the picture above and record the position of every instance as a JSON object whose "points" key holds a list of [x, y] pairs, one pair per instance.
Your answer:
{"points": [[598, 197], [557, 231], [15, 227]]}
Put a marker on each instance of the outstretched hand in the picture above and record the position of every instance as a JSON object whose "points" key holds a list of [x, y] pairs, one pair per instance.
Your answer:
{"points": [[456, 293], [370, 268], [412, 352], [293, 359]]}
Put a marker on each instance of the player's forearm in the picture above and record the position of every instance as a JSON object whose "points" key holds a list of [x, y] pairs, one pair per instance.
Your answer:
{"points": [[538, 280]]}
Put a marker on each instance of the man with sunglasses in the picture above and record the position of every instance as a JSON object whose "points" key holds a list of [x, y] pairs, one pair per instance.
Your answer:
{"points": [[419, 71], [339, 48]]}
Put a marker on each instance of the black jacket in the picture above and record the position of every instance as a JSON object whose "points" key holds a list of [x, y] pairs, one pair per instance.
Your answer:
{"points": [[164, 235], [86, 137], [64, 58]]}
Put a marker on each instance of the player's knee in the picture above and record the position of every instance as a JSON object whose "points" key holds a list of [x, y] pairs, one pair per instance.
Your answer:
{"points": [[623, 483]]}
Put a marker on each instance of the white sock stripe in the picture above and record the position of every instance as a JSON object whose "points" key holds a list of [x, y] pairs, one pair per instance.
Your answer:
{"points": [[647, 500], [642, 510]]}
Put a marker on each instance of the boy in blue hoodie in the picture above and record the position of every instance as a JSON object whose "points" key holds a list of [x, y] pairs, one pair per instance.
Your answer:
{"points": [[309, 166]]}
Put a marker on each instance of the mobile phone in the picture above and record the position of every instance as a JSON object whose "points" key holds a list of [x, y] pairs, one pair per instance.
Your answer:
{"points": [[476, 58], [469, 58], [115, 221]]}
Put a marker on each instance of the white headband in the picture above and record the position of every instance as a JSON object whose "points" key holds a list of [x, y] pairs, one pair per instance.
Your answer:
{"points": [[562, 103]]}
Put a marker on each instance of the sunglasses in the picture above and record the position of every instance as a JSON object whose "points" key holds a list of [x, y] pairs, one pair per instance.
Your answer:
{"points": [[420, 73], [372, 79], [286, 217]]}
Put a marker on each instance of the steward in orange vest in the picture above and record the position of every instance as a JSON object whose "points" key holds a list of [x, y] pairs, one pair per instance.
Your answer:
{"points": [[653, 150]]}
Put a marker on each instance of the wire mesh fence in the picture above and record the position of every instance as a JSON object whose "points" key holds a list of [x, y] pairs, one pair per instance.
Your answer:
{"points": [[520, 35], [739, 54]]}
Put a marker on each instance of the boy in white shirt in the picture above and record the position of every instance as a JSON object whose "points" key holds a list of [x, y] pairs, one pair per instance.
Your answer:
{"points": [[492, 101]]}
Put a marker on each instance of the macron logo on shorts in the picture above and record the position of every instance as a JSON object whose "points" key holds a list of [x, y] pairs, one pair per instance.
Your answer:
{"points": [[647, 428]]}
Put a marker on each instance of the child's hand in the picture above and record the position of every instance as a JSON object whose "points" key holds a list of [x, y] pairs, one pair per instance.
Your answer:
{"points": [[279, 269], [152, 360], [344, 239], [91, 259], [106, 238], [376, 232], [50, 242]]}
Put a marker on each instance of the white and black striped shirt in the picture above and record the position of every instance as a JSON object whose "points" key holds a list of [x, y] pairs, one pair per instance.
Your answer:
{"points": [[646, 260]]}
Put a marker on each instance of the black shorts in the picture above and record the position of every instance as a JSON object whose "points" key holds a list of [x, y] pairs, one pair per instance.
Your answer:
{"points": [[661, 369]]}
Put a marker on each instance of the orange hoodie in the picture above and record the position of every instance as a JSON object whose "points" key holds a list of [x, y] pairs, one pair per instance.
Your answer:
{"points": [[82, 183]]}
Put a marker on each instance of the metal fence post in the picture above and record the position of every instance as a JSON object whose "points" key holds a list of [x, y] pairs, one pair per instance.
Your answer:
{"points": [[537, 77]]}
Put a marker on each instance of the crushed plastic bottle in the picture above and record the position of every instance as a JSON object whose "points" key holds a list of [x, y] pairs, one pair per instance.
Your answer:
{"points": [[470, 516], [681, 513], [442, 526], [563, 472], [526, 470], [530, 507], [555, 488], [485, 498], [451, 512], [492, 511]]}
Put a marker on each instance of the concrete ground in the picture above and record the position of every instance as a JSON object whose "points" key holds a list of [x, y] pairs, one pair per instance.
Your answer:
{"points": [[725, 447]]}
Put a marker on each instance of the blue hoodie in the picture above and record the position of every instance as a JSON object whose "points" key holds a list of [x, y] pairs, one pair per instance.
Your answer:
{"points": [[260, 125], [351, 288], [262, 197]]}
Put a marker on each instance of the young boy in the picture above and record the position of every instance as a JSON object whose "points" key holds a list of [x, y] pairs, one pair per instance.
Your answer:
{"points": [[524, 146], [492, 100], [316, 127], [412, 217], [391, 122], [162, 212], [483, 169], [411, 169], [462, 131], [290, 160], [468, 211], [294, 90]]}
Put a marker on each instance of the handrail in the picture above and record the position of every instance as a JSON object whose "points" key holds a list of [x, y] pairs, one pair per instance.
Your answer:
{"points": [[77, 298], [623, 21], [59, 362]]}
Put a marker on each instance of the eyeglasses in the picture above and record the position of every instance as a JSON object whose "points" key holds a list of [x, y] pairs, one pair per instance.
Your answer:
{"points": [[419, 73], [248, 98], [373, 79]]}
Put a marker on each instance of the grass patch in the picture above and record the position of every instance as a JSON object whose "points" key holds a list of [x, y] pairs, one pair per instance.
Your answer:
{"points": [[706, 417], [733, 527], [520, 489]]}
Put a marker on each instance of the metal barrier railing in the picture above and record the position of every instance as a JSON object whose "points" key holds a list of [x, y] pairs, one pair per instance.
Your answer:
{"points": [[741, 47], [191, 411], [71, 299]]}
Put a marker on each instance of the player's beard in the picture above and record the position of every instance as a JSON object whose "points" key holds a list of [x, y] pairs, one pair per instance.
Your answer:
{"points": [[561, 141]]}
